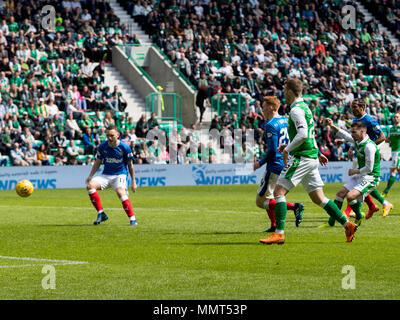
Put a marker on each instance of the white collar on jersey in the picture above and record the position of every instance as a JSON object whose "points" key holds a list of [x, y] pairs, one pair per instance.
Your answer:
{"points": [[364, 140], [300, 99]]}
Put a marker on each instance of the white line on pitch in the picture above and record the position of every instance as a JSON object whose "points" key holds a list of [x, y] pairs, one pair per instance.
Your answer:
{"points": [[35, 265], [47, 260], [135, 208]]}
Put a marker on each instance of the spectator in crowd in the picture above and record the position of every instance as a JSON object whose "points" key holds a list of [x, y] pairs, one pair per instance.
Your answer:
{"points": [[17, 156], [73, 151], [42, 155]]}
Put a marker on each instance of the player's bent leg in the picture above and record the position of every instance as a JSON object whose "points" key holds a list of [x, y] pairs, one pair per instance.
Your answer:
{"points": [[127, 205], [372, 207], [331, 208], [339, 203], [92, 188], [278, 236], [391, 181], [376, 194], [355, 198], [269, 205]]}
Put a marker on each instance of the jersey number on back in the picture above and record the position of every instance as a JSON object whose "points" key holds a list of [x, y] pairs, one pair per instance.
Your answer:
{"points": [[283, 136]]}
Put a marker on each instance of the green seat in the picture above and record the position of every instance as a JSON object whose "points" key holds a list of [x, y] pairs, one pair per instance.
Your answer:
{"points": [[51, 159], [81, 158], [37, 143], [368, 78], [91, 114], [79, 143], [216, 63], [8, 160], [118, 114]]}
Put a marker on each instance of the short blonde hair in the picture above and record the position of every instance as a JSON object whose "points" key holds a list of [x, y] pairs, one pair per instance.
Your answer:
{"points": [[272, 101]]}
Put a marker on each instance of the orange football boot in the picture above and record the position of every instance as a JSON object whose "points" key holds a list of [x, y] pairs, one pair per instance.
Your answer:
{"points": [[371, 212], [278, 238], [350, 230]]}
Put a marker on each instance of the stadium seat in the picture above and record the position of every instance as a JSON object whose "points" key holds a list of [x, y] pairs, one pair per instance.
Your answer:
{"points": [[91, 114], [7, 158], [51, 159], [79, 143], [81, 158], [37, 143]]}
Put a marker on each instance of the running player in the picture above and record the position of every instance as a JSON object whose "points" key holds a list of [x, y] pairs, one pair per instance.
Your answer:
{"points": [[116, 156], [303, 166], [365, 178], [275, 133], [375, 133], [394, 140]]}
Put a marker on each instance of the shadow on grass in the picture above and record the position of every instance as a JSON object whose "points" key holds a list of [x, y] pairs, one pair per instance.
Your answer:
{"points": [[221, 243], [256, 242]]}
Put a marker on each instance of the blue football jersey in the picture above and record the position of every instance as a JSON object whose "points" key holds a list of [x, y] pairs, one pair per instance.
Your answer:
{"points": [[276, 134], [115, 159], [373, 127]]}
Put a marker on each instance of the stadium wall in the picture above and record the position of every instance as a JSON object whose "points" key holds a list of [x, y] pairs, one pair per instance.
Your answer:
{"points": [[165, 76], [131, 73], [60, 177]]}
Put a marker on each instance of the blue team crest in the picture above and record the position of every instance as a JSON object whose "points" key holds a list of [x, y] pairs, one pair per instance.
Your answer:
{"points": [[198, 173]]}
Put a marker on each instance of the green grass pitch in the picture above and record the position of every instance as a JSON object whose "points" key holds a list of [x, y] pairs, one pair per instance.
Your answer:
{"points": [[191, 243]]}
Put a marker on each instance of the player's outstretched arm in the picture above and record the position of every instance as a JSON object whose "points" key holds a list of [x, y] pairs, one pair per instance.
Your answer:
{"points": [[341, 133], [132, 173], [95, 167]]}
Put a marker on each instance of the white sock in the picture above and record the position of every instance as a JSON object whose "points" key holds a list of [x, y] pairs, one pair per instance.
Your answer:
{"points": [[133, 218]]}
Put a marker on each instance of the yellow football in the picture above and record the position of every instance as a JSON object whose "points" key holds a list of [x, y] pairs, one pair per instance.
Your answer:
{"points": [[24, 188]]}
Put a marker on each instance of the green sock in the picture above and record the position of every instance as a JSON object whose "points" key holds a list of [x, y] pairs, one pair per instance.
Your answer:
{"points": [[375, 193], [280, 214], [356, 207], [339, 203], [390, 183], [332, 209]]}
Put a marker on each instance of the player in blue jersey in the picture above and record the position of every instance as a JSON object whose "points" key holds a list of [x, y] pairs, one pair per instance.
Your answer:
{"points": [[117, 158], [275, 133]]}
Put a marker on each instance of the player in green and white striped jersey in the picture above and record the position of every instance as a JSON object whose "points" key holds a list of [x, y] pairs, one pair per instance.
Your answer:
{"points": [[394, 140], [303, 166], [365, 178]]}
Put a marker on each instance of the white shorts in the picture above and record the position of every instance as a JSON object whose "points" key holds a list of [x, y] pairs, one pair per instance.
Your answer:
{"points": [[396, 159], [365, 184], [267, 185], [115, 182], [301, 170]]}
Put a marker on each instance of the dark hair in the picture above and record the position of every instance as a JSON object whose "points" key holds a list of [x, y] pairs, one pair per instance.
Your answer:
{"points": [[359, 103], [359, 125]]}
